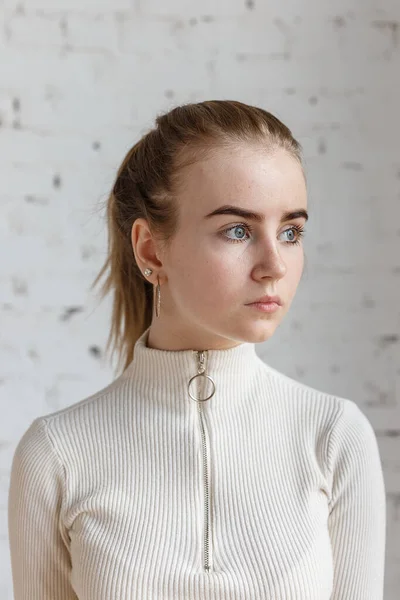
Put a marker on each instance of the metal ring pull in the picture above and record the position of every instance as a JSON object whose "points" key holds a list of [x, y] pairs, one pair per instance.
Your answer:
{"points": [[199, 399]]}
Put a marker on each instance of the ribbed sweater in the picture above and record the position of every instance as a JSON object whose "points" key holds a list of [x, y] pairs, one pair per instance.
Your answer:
{"points": [[239, 484]]}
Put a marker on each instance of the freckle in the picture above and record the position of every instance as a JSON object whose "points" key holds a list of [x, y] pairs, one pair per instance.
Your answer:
{"points": [[96, 145]]}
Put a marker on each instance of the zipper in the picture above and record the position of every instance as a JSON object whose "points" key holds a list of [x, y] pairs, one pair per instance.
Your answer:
{"points": [[200, 358]]}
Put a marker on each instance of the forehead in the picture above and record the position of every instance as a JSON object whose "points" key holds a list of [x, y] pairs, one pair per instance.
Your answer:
{"points": [[246, 176]]}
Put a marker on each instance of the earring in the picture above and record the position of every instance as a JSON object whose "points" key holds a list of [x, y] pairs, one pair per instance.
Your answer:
{"points": [[158, 298], [158, 291]]}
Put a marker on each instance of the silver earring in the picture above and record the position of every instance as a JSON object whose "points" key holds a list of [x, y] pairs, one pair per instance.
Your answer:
{"points": [[158, 291], [158, 305]]}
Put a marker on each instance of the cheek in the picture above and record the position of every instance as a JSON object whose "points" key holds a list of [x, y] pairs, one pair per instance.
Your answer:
{"points": [[206, 274], [210, 286], [295, 270], [220, 287], [209, 281], [299, 266]]}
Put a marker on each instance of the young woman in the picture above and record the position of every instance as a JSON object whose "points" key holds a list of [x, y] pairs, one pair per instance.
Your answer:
{"points": [[201, 472]]}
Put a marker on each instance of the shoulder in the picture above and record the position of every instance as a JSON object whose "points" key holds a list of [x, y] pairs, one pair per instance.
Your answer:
{"points": [[353, 462], [337, 424], [35, 462], [352, 438], [88, 404], [301, 400], [65, 431]]}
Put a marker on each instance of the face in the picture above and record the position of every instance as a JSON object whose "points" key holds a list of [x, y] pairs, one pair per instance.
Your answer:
{"points": [[216, 265]]}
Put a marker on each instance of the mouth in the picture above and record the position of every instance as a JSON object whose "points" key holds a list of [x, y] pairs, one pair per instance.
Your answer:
{"points": [[267, 300], [267, 307]]}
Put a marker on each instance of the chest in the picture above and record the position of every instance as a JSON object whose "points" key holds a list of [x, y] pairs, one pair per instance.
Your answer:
{"points": [[200, 512]]}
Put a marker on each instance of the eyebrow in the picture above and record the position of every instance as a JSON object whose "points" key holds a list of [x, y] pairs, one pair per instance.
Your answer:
{"points": [[228, 209]]}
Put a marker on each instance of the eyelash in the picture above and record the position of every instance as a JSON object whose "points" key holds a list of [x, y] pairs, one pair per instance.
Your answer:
{"points": [[300, 233]]}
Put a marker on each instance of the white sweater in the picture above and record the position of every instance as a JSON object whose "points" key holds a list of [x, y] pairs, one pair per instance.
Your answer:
{"points": [[269, 489]]}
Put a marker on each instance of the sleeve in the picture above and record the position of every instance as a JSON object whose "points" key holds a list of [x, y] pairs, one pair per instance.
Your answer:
{"points": [[357, 507], [40, 560]]}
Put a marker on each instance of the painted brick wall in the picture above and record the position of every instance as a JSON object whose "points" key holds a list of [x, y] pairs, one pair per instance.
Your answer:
{"points": [[80, 81]]}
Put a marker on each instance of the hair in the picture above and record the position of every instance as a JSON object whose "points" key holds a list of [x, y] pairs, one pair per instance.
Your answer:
{"points": [[146, 186]]}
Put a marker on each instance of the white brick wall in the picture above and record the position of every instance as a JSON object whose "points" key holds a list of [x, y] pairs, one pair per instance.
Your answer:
{"points": [[80, 80]]}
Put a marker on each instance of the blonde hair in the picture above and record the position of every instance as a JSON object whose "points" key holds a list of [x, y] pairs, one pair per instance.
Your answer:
{"points": [[146, 186]]}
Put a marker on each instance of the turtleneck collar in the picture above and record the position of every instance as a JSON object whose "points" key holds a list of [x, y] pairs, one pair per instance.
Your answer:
{"points": [[170, 371]]}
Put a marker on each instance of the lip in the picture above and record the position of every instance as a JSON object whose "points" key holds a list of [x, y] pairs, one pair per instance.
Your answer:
{"points": [[266, 307], [267, 300]]}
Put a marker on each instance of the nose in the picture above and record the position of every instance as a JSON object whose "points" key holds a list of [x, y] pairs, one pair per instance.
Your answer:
{"points": [[271, 263]]}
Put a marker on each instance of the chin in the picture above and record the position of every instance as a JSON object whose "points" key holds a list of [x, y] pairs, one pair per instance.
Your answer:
{"points": [[264, 334], [258, 331]]}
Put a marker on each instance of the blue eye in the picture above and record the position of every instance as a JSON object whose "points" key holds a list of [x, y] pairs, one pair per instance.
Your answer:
{"points": [[243, 226], [240, 226]]}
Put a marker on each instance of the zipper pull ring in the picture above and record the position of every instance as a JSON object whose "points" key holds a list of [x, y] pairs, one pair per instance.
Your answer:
{"points": [[200, 355]]}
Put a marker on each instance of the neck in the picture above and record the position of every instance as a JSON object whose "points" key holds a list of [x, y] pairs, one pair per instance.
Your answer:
{"points": [[167, 336], [168, 373]]}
